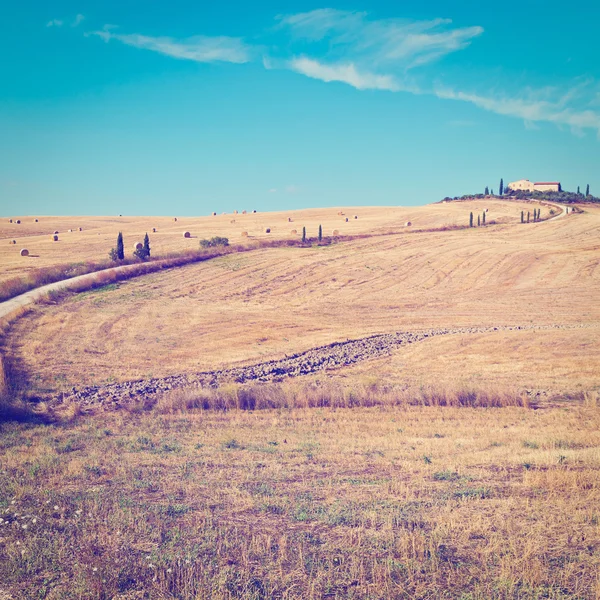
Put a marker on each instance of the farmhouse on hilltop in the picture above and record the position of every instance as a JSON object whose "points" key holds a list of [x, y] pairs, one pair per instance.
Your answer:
{"points": [[538, 186]]}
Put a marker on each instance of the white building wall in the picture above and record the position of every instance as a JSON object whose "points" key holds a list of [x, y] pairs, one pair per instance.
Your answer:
{"points": [[546, 187], [522, 184]]}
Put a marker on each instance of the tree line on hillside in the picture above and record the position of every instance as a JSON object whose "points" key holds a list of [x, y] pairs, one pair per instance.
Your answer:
{"points": [[560, 196]]}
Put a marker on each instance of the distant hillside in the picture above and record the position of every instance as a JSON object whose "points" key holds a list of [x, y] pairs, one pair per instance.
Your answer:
{"points": [[564, 197]]}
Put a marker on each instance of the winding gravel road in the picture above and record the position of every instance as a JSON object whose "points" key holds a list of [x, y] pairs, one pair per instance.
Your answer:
{"points": [[332, 356]]}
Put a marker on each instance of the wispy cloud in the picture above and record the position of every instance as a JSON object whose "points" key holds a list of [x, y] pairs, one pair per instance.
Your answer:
{"points": [[199, 48], [78, 20], [346, 73], [394, 43], [533, 107], [54, 23]]}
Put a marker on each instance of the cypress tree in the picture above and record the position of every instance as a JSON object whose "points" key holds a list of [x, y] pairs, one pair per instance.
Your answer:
{"points": [[587, 190], [471, 220], [304, 235], [120, 247], [522, 217], [478, 220], [320, 233], [528, 216], [501, 190], [483, 220], [487, 191], [492, 192], [578, 192], [146, 248]]}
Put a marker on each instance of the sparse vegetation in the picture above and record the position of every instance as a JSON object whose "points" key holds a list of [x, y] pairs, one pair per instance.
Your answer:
{"points": [[301, 504], [214, 242]]}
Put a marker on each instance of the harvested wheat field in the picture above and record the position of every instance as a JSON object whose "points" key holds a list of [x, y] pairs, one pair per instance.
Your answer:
{"points": [[407, 413], [265, 304], [99, 234], [319, 503]]}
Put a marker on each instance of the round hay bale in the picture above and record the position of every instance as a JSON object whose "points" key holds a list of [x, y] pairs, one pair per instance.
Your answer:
{"points": [[138, 246], [232, 221], [289, 219], [346, 219], [55, 238], [485, 210], [24, 252], [10, 220], [36, 220], [407, 224], [235, 212], [13, 242], [214, 214], [244, 234], [335, 232], [175, 219], [268, 230], [294, 232], [56, 233], [356, 216], [253, 211], [70, 231], [187, 234], [244, 212], [18, 221], [154, 230], [80, 229]]}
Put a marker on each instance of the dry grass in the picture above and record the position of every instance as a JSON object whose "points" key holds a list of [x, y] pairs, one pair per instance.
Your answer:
{"points": [[410, 502], [244, 308], [100, 233]]}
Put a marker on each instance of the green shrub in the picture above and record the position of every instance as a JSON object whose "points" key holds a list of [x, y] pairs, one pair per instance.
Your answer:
{"points": [[214, 241]]}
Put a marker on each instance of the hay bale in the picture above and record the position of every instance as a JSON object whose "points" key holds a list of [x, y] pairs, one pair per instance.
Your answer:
{"points": [[55, 238], [214, 214], [407, 224], [232, 221], [294, 232], [13, 242], [485, 210], [70, 231], [36, 220], [138, 246], [10, 220], [335, 232], [244, 212], [187, 234], [24, 252], [268, 230], [244, 234], [18, 221], [356, 216], [80, 229], [56, 233], [235, 212], [289, 219], [175, 219], [154, 230], [346, 219], [253, 211]]}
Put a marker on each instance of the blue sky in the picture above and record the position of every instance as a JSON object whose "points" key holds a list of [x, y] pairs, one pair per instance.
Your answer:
{"points": [[146, 107]]}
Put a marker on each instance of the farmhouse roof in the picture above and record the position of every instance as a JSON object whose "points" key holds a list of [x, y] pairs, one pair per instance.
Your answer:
{"points": [[547, 183]]}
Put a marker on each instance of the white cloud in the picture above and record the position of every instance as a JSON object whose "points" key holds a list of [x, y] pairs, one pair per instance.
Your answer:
{"points": [[396, 43], [346, 73], [273, 191], [532, 108], [78, 20], [54, 23], [199, 48]]}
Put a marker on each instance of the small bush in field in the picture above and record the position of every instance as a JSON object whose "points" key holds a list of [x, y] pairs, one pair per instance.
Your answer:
{"points": [[214, 242]]}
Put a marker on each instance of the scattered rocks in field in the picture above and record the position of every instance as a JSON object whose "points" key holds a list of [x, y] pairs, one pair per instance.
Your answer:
{"points": [[331, 356]]}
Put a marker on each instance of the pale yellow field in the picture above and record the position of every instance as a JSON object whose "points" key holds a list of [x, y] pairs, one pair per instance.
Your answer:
{"points": [[100, 233], [250, 307]]}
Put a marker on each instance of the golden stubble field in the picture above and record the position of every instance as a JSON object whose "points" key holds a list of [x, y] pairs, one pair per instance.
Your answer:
{"points": [[99, 234], [267, 303], [304, 504]]}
